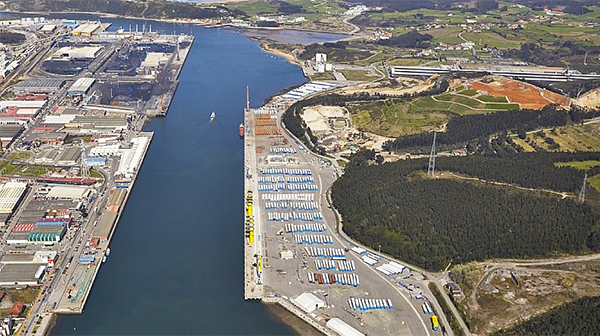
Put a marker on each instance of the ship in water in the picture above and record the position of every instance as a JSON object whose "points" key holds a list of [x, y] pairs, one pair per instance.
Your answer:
{"points": [[108, 251], [212, 116], [241, 130]]}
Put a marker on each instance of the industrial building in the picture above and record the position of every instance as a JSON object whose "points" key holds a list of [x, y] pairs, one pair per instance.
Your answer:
{"points": [[132, 158], [69, 192], [342, 327], [21, 274], [11, 194], [308, 302], [69, 156], [81, 86], [48, 28], [37, 86], [8, 133], [95, 161], [108, 150], [77, 53], [86, 29], [39, 257], [97, 124]]}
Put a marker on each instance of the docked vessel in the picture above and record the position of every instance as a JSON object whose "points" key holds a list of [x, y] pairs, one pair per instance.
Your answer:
{"points": [[108, 251], [212, 116], [241, 130]]}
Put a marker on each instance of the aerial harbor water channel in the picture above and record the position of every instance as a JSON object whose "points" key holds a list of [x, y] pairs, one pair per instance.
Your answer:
{"points": [[176, 265]]}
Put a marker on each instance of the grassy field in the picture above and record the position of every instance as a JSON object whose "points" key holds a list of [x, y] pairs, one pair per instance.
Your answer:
{"points": [[19, 155], [7, 168], [462, 104], [594, 181], [492, 99], [394, 119], [581, 165], [569, 139], [322, 76], [359, 75]]}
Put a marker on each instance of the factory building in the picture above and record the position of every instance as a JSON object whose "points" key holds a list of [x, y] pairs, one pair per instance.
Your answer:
{"points": [[81, 86], [11, 194], [37, 86]]}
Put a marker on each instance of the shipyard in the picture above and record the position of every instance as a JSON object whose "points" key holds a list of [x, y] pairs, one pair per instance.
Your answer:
{"points": [[295, 253], [71, 126]]}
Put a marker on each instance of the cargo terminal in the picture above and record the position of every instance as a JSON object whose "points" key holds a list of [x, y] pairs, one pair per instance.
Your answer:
{"points": [[294, 255]]}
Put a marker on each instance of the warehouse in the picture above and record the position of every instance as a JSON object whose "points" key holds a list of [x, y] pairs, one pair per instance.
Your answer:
{"points": [[43, 233], [342, 327], [76, 53], [11, 195], [21, 274], [54, 138], [108, 150], [98, 124], [37, 86], [8, 133], [48, 28], [39, 257], [86, 29], [132, 158], [69, 156], [308, 302], [81, 86], [69, 192]]}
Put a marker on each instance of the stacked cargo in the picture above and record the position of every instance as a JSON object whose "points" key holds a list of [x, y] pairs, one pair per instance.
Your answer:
{"points": [[391, 268], [334, 278], [325, 264], [298, 228], [346, 266], [318, 252], [313, 239], [370, 304]]}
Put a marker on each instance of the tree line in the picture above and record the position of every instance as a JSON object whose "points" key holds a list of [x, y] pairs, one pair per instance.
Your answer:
{"points": [[431, 222], [462, 129], [149, 9], [580, 317]]}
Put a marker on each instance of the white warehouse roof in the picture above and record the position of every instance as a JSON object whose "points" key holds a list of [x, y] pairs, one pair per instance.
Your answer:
{"points": [[82, 85], [308, 302], [342, 328], [10, 194], [68, 192]]}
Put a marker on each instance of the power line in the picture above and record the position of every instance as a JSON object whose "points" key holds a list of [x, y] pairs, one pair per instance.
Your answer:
{"points": [[582, 192], [431, 168]]}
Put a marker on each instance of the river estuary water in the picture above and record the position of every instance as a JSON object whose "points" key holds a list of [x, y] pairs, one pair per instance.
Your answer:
{"points": [[176, 263]]}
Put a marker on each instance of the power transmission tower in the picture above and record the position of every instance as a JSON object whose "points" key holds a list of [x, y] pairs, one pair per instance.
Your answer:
{"points": [[582, 192], [431, 168]]}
